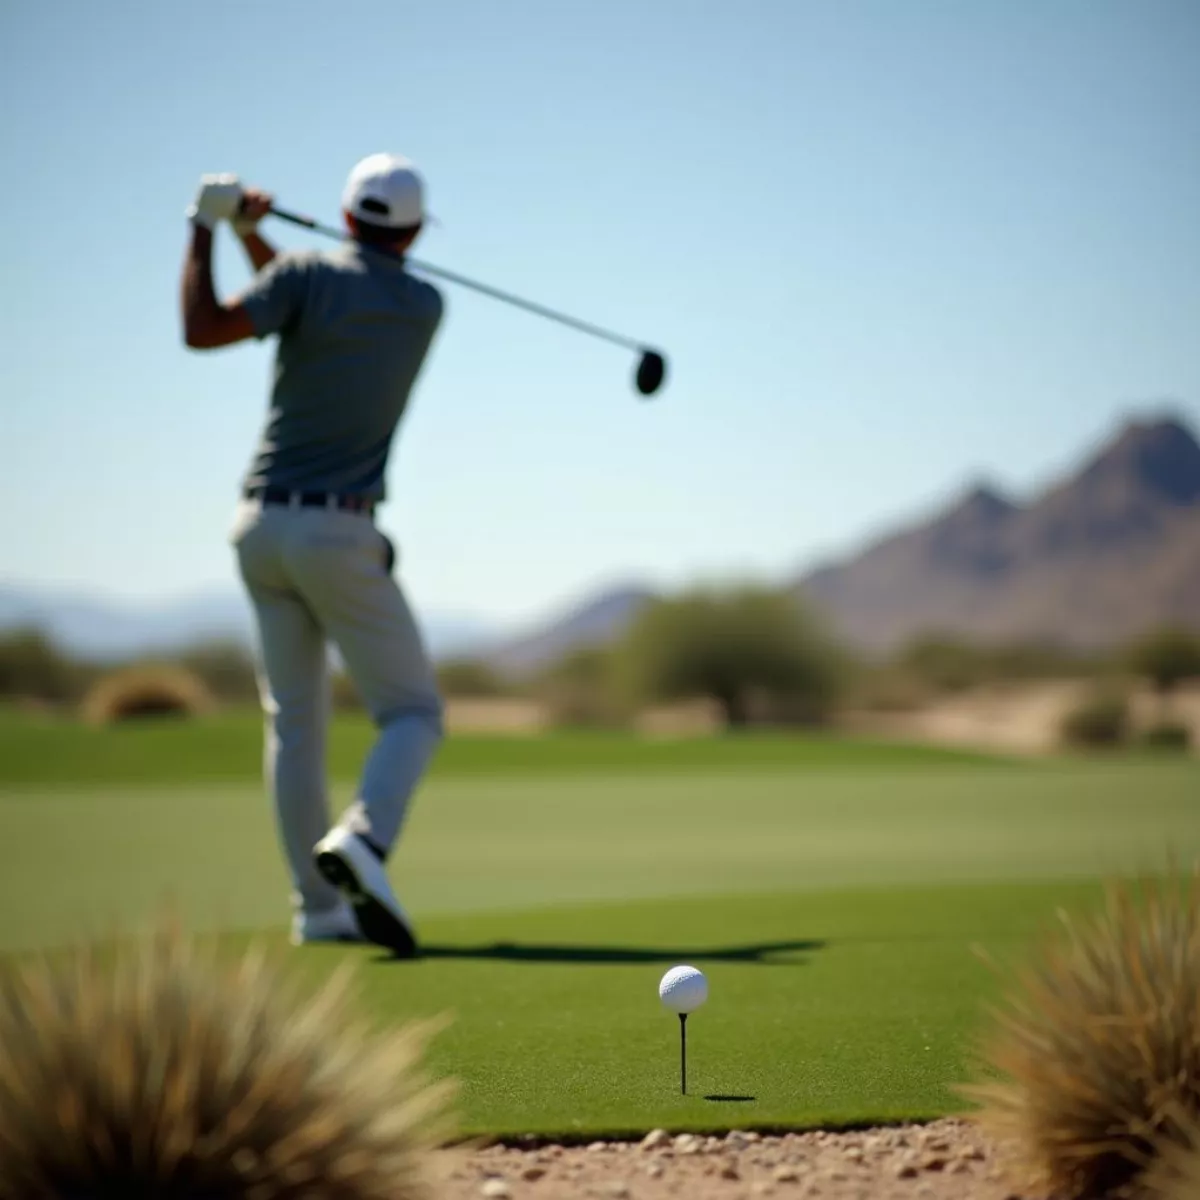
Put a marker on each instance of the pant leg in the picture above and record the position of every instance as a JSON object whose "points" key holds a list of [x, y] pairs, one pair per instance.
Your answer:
{"points": [[294, 688], [339, 562]]}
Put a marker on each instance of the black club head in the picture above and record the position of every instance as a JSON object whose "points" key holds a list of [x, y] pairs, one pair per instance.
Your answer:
{"points": [[650, 373]]}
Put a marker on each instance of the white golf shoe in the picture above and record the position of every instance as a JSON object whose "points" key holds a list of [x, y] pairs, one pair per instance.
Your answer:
{"points": [[354, 869], [334, 925]]}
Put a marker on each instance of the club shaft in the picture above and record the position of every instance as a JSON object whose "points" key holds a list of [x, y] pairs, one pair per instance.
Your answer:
{"points": [[483, 288]]}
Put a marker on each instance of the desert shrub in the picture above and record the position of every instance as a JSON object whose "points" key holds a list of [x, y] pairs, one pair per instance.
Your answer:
{"points": [[1176, 1173], [1097, 1043], [32, 667], [945, 664], [749, 649], [1167, 657], [580, 690], [146, 691], [162, 1070], [1166, 735], [950, 664], [1099, 720], [225, 668], [469, 677]]}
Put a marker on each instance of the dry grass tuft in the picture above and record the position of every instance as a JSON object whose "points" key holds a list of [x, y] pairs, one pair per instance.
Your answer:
{"points": [[1176, 1175], [163, 1069], [147, 691], [1098, 1043]]}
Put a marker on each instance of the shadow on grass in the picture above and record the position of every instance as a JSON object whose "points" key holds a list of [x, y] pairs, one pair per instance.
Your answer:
{"points": [[732, 1099], [784, 953]]}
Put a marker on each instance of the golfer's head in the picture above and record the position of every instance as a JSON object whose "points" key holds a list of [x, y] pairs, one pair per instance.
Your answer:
{"points": [[384, 201]]}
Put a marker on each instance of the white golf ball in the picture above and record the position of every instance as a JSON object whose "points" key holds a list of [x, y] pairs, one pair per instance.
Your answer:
{"points": [[683, 989]]}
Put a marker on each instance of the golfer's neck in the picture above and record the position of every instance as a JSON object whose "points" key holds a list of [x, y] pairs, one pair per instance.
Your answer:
{"points": [[376, 248]]}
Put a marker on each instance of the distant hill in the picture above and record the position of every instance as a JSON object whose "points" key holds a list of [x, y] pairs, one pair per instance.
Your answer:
{"points": [[589, 623], [111, 630], [1101, 555], [1096, 558]]}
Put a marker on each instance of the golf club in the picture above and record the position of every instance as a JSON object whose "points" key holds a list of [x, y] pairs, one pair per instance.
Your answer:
{"points": [[652, 366]]}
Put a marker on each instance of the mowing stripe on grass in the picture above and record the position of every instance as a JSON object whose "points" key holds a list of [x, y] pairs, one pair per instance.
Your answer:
{"points": [[72, 859], [228, 748]]}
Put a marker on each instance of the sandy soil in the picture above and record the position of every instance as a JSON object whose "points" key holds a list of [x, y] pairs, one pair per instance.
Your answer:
{"points": [[938, 1161], [1017, 718]]}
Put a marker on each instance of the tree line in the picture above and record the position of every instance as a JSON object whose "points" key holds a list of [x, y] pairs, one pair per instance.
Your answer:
{"points": [[757, 655]]}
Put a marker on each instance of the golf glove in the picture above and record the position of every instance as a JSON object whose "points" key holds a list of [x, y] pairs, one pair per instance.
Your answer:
{"points": [[217, 200], [242, 224]]}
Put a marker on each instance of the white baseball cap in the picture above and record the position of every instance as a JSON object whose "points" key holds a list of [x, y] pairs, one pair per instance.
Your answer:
{"points": [[385, 189]]}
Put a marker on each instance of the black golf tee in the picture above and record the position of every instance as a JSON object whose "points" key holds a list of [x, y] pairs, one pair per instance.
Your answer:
{"points": [[683, 1054]]}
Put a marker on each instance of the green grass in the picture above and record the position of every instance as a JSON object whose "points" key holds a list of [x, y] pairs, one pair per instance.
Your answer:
{"points": [[556, 879], [828, 1008], [228, 748], [841, 1007], [73, 858]]}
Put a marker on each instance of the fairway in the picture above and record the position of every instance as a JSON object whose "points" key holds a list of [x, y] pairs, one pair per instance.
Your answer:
{"points": [[832, 892]]}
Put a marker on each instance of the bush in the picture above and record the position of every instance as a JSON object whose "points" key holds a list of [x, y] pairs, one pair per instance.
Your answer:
{"points": [[1097, 1043], [1167, 735], [225, 668], [1101, 720], [147, 691], [755, 652], [944, 664], [469, 677], [1167, 657], [33, 668], [1176, 1174], [162, 1071], [580, 690], [951, 664]]}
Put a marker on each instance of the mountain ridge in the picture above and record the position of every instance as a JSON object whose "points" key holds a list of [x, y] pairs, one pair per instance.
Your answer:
{"points": [[1101, 553], [1109, 547], [105, 628]]}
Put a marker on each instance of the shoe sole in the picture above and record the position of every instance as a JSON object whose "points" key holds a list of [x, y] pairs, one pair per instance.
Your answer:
{"points": [[378, 923]]}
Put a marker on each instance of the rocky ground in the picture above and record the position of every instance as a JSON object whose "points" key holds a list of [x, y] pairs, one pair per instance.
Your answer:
{"points": [[928, 1162]]}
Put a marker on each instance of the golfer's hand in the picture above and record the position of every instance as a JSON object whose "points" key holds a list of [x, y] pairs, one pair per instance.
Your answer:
{"points": [[216, 200], [254, 206]]}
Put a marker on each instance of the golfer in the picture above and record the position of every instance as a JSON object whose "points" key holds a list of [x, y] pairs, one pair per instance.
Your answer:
{"points": [[354, 329]]}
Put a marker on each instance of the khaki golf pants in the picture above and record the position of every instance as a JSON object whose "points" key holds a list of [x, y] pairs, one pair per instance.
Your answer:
{"points": [[317, 576]]}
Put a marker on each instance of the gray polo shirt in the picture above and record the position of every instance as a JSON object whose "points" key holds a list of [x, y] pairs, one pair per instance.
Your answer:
{"points": [[354, 328]]}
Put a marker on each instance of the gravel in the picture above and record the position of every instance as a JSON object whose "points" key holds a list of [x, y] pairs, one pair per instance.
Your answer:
{"points": [[946, 1159]]}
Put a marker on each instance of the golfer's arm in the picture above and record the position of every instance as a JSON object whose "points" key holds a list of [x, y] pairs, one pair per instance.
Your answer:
{"points": [[258, 250], [207, 323]]}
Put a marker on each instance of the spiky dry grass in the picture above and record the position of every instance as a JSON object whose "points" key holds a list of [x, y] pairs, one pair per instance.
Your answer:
{"points": [[146, 690], [1097, 1045], [164, 1068], [1176, 1176]]}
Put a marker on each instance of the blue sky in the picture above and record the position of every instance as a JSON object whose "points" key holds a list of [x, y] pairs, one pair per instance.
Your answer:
{"points": [[888, 246]]}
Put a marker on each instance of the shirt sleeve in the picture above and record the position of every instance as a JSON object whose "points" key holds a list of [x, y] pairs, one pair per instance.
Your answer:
{"points": [[275, 300]]}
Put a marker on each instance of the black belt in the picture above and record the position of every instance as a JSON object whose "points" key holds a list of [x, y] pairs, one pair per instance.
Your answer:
{"points": [[278, 495]]}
